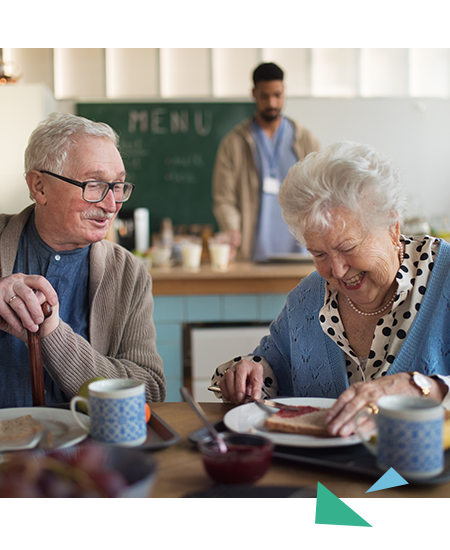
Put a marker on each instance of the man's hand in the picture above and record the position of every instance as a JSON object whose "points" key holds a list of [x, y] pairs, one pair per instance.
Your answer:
{"points": [[234, 238], [21, 299]]}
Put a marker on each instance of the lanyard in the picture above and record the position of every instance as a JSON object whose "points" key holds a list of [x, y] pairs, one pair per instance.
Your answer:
{"points": [[261, 138]]}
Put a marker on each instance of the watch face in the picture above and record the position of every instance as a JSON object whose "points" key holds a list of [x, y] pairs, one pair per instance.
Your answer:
{"points": [[422, 382]]}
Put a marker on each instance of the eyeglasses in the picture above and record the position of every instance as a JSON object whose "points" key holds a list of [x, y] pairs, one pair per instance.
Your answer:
{"points": [[96, 191]]}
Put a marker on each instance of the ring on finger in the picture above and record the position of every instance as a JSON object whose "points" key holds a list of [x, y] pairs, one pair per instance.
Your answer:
{"points": [[373, 408], [12, 298]]}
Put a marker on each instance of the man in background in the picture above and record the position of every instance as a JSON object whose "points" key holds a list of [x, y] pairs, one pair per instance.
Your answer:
{"points": [[251, 163], [101, 322]]}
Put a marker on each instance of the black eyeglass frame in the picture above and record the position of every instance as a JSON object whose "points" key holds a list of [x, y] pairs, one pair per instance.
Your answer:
{"points": [[83, 185]]}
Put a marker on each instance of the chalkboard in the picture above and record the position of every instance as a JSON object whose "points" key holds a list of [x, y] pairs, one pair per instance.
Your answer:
{"points": [[169, 151]]}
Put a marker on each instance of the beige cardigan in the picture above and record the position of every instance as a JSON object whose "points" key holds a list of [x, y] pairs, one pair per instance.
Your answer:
{"points": [[236, 184], [121, 329]]}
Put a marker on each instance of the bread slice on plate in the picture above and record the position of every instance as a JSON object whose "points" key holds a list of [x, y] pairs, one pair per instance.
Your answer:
{"points": [[17, 428], [310, 423]]}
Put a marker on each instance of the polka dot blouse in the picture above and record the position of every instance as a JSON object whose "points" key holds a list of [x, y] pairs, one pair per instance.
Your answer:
{"points": [[390, 331], [392, 328]]}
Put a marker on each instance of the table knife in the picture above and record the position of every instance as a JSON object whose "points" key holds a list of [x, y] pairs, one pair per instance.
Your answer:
{"points": [[266, 402]]}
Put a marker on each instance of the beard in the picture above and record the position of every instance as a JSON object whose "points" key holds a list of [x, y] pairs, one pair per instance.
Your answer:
{"points": [[269, 115]]}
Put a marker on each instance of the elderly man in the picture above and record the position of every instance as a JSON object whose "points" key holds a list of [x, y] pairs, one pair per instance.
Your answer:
{"points": [[251, 162], [54, 250]]}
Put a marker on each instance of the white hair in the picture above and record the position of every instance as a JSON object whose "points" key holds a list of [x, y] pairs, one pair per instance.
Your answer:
{"points": [[344, 176], [50, 143]]}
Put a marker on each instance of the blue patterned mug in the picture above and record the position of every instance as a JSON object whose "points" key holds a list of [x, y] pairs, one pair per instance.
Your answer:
{"points": [[410, 436], [116, 410]]}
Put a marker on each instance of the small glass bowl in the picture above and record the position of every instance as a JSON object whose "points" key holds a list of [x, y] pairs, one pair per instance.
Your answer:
{"points": [[247, 459]]}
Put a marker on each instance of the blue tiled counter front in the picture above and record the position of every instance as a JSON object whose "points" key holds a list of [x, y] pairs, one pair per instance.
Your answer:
{"points": [[172, 311]]}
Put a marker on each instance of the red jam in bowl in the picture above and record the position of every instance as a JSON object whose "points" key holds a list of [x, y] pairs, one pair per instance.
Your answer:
{"points": [[247, 459]]}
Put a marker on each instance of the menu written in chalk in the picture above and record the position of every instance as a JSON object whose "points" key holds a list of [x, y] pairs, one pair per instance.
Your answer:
{"points": [[169, 151]]}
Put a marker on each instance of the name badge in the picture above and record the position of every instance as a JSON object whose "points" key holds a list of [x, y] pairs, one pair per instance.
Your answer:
{"points": [[271, 185]]}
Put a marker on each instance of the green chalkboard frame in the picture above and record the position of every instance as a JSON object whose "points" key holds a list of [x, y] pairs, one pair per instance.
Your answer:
{"points": [[169, 150]]}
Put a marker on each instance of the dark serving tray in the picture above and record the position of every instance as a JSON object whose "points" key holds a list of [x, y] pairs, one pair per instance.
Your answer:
{"points": [[354, 459], [159, 434], [252, 491]]}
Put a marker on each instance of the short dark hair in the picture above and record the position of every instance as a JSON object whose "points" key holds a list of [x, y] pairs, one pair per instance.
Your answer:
{"points": [[267, 71]]}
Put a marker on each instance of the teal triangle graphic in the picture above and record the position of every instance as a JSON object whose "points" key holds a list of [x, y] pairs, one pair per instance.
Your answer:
{"points": [[330, 510], [390, 479]]}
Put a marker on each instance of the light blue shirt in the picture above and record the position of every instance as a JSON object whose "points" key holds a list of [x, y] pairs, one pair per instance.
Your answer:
{"points": [[273, 159], [68, 273]]}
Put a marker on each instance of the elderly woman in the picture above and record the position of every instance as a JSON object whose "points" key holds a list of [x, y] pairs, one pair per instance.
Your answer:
{"points": [[374, 318]]}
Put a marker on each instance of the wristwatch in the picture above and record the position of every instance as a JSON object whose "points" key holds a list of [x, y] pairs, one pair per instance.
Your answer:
{"points": [[421, 381]]}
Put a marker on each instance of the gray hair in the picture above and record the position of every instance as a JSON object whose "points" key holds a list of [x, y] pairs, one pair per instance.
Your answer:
{"points": [[50, 143], [345, 175]]}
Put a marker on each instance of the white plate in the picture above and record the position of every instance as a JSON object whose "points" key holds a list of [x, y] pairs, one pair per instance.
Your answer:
{"points": [[59, 422], [291, 257], [250, 419]]}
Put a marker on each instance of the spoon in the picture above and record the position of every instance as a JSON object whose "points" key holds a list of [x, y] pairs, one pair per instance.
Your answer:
{"points": [[200, 412]]}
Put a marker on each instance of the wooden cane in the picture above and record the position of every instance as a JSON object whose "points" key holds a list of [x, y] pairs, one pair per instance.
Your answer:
{"points": [[36, 368]]}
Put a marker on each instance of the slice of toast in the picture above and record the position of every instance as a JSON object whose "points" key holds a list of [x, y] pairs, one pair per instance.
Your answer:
{"points": [[312, 423], [16, 428]]}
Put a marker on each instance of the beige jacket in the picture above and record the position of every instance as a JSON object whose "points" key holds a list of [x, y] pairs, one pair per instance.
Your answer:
{"points": [[236, 183], [121, 329]]}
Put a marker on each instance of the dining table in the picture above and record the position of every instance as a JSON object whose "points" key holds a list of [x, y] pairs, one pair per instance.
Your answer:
{"points": [[181, 472]]}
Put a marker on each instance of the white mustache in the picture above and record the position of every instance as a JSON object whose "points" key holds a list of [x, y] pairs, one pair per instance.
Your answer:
{"points": [[99, 213]]}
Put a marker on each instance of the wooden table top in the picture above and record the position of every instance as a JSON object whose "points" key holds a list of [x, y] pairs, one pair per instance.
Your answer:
{"points": [[181, 470], [240, 278]]}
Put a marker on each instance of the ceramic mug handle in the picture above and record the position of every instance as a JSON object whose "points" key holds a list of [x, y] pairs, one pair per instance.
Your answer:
{"points": [[370, 446], [75, 414]]}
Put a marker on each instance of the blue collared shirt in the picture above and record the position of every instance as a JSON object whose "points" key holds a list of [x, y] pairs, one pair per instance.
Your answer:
{"points": [[68, 273], [273, 159]]}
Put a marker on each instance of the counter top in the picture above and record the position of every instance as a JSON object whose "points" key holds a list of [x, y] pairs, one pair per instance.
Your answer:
{"points": [[240, 278]]}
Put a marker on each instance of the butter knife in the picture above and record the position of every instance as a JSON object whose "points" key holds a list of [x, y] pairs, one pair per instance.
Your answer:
{"points": [[266, 402], [274, 404]]}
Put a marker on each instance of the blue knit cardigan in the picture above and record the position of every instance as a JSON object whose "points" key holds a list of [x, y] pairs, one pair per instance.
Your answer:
{"points": [[308, 363]]}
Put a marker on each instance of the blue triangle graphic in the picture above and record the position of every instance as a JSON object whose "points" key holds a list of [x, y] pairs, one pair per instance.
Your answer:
{"points": [[390, 479]]}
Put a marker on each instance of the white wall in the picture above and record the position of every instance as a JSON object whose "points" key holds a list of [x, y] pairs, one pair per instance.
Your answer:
{"points": [[414, 132], [21, 109]]}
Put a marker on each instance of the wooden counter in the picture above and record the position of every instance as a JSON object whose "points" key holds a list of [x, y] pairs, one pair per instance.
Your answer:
{"points": [[240, 278]]}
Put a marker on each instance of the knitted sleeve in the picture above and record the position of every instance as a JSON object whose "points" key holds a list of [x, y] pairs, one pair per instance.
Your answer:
{"points": [[122, 333]]}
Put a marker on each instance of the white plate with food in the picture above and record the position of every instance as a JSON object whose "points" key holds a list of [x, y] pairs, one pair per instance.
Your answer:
{"points": [[250, 418], [62, 429]]}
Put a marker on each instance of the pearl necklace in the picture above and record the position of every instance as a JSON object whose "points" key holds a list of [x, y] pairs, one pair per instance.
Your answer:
{"points": [[373, 313], [384, 308]]}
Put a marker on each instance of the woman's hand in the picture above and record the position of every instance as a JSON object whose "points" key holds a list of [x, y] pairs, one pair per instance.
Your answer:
{"points": [[21, 299], [244, 378], [341, 417]]}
